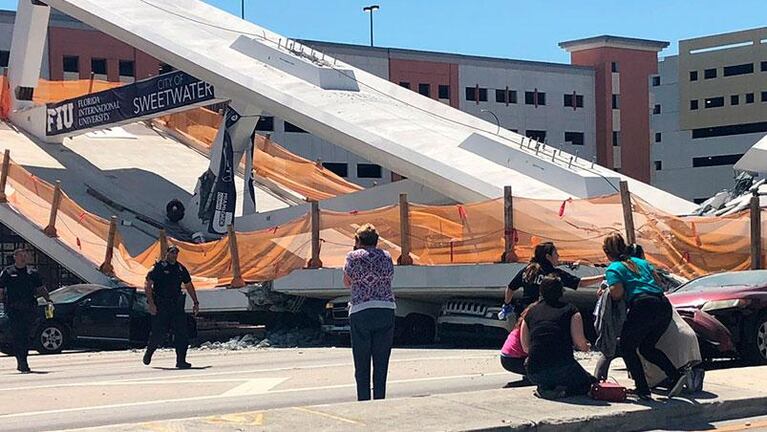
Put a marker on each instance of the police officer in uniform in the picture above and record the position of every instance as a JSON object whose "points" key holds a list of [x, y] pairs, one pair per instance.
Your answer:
{"points": [[166, 304], [19, 288]]}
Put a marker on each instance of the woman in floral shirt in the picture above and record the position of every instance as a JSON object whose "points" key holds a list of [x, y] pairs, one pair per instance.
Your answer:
{"points": [[368, 272]]}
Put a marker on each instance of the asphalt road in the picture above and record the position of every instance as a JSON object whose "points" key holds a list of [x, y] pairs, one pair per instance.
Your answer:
{"points": [[76, 390]]}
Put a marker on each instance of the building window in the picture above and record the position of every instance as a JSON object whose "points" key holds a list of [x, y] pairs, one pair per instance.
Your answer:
{"points": [[709, 73], [616, 101], [658, 165], [616, 138], [444, 91], [749, 98], [742, 69], [735, 100], [764, 66], [404, 84], [538, 135], [574, 138], [658, 137], [693, 75], [694, 104], [99, 66], [4, 58], [290, 127], [265, 124], [127, 68], [530, 98], [471, 94], [656, 81], [424, 89], [568, 100], [729, 130], [338, 168], [764, 96], [368, 171], [714, 102], [708, 161], [614, 67], [71, 64], [500, 95], [656, 109], [165, 68]]}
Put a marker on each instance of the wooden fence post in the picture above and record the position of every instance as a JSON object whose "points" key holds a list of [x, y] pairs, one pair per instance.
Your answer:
{"points": [[315, 261], [4, 175], [508, 226], [628, 215], [106, 267], [237, 281], [404, 229], [163, 243], [50, 230], [756, 232]]}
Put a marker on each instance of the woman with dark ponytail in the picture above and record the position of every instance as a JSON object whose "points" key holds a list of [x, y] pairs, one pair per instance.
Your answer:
{"points": [[649, 314], [544, 262], [548, 333]]}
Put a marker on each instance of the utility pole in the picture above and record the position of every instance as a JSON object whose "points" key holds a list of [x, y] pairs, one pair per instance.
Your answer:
{"points": [[370, 9]]}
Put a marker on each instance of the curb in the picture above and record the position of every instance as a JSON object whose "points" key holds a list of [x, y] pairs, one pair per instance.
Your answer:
{"points": [[675, 414]]}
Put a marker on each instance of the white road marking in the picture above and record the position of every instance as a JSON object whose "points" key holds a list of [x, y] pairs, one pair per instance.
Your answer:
{"points": [[155, 403], [187, 374], [254, 387]]}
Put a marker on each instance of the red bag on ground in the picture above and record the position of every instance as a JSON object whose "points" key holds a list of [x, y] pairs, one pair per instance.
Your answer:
{"points": [[608, 391]]}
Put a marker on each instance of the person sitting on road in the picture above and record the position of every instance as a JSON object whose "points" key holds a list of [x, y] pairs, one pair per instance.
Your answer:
{"points": [[544, 262], [549, 332], [649, 314], [513, 356]]}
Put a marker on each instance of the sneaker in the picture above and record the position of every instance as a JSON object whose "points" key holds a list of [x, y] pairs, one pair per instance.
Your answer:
{"points": [[24, 369], [678, 384], [148, 357], [644, 395], [183, 365]]}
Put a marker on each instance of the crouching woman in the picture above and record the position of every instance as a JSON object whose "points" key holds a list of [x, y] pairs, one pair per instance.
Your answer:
{"points": [[549, 332]]}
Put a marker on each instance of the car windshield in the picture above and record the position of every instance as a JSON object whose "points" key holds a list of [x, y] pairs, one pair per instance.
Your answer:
{"points": [[72, 293], [726, 280]]}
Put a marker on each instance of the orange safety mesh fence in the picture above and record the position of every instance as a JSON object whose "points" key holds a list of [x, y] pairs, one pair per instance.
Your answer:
{"points": [[56, 91], [53, 91], [337, 232], [264, 255], [453, 234], [270, 161], [5, 98], [693, 246]]}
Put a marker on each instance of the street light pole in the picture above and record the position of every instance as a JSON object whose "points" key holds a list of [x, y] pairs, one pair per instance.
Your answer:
{"points": [[497, 121], [242, 9], [370, 9]]}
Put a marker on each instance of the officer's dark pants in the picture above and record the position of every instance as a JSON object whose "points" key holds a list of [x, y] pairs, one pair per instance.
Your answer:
{"points": [[21, 327], [372, 337], [170, 317]]}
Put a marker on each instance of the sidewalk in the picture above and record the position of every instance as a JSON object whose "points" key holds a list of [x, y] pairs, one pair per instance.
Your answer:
{"points": [[732, 393]]}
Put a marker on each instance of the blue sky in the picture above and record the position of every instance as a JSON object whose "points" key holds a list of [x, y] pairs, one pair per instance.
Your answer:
{"points": [[503, 28]]}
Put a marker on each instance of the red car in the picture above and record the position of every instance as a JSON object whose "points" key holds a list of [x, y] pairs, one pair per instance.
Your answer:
{"points": [[728, 312]]}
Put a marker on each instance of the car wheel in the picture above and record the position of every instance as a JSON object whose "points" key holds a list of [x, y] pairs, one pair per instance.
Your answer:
{"points": [[756, 343], [51, 338], [418, 330]]}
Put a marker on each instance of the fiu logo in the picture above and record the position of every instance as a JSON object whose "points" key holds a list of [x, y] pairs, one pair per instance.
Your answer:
{"points": [[61, 117]]}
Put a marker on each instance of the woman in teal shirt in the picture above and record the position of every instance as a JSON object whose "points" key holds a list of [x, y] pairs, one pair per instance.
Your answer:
{"points": [[649, 314]]}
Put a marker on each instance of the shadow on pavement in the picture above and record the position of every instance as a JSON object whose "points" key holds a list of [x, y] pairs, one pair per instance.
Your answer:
{"points": [[174, 368]]}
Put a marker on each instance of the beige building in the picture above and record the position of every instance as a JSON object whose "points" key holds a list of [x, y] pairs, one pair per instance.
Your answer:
{"points": [[708, 107]]}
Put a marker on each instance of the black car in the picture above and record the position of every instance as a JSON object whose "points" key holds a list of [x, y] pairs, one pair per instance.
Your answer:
{"points": [[89, 315]]}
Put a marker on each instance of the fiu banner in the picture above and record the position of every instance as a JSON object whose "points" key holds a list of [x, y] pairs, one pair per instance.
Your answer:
{"points": [[223, 197], [147, 97]]}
